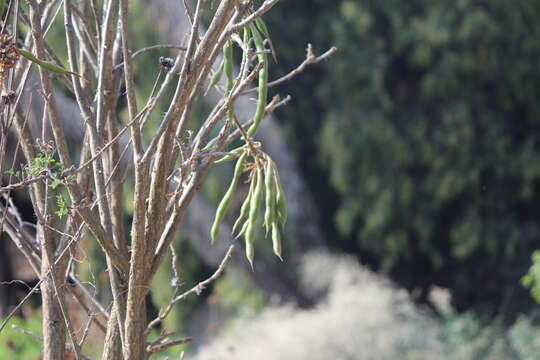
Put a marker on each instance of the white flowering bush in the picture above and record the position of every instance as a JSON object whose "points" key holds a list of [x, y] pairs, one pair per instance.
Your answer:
{"points": [[363, 316]]}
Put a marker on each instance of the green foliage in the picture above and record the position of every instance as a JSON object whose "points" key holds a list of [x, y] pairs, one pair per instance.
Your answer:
{"points": [[523, 335], [466, 337], [434, 128], [18, 174], [62, 206], [15, 345], [41, 163], [45, 162], [424, 124], [532, 279]]}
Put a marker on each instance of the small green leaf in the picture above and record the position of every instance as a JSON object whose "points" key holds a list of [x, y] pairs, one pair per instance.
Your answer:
{"points": [[47, 65]]}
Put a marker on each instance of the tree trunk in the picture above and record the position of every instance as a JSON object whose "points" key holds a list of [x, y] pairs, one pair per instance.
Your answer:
{"points": [[54, 328], [134, 331], [112, 348]]}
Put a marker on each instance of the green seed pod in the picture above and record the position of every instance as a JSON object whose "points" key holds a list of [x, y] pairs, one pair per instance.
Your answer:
{"points": [[276, 240], [250, 249], [281, 203], [254, 205], [230, 157], [226, 158], [281, 206], [243, 230], [261, 26], [228, 65], [245, 41], [270, 195], [227, 198], [263, 81], [256, 198], [244, 210], [217, 76]]}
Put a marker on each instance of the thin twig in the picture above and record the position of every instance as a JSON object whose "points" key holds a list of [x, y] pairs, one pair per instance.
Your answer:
{"points": [[196, 289], [40, 339], [36, 287], [92, 298], [264, 8], [28, 333], [24, 183], [110, 143], [310, 60], [164, 336], [147, 49], [91, 315], [164, 346]]}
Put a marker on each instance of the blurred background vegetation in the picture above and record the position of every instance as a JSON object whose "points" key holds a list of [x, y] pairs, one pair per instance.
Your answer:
{"points": [[419, 142], [420, 138]]}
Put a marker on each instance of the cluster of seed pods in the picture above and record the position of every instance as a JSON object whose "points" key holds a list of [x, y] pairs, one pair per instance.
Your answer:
{"points": [[263, 175]]}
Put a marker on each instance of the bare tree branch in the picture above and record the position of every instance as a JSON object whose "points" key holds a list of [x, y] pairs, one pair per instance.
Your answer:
{"points": [[197, 289], [311, 59]]}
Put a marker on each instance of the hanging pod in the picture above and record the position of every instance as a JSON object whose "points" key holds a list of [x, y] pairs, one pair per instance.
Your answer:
{"points": [[227, 198]]}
